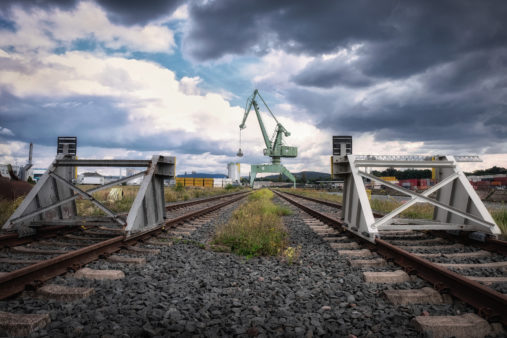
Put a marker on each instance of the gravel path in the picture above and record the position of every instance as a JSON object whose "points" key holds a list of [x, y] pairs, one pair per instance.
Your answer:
{"points": [[187, 291]]}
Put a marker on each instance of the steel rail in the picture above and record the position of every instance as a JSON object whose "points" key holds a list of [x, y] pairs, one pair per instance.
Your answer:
{"points": [[11, 238], [490, 304], [35, 274], [328, 203], [489, 244]]}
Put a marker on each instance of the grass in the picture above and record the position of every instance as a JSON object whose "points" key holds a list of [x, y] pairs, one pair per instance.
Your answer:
{"points": [[500, 217], [86, 208], [417, 211], [255, 228], [7, 208], [323, 195]]}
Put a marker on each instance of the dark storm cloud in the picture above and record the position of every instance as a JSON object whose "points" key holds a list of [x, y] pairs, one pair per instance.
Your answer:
{"points": [[63, 4], [96, 121], [130, 12], [399, 38], [452, 53], [236, 27], [126, 12], [331, 73]]}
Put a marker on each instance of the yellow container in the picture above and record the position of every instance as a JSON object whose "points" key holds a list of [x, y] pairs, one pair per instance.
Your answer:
{"points": [[198, 182], [189, 181], [388, 178]]}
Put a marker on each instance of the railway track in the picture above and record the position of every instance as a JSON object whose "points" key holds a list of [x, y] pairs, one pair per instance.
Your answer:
{"points": [[474, 274], [26, 263]]}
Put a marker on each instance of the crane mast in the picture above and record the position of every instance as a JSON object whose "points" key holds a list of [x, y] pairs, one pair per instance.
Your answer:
{"points": [[274, 148]]}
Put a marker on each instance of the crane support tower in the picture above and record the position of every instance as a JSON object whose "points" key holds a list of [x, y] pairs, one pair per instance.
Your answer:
{"points": [[274, 147]]}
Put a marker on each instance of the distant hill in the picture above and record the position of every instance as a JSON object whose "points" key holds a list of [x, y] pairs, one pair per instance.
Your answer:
{"points": [[203, 175]]}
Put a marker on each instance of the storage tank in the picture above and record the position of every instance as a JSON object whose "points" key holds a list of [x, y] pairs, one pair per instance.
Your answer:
{"points": [[233, 171]]}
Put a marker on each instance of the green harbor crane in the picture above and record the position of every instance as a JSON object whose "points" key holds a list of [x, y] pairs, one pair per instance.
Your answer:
{"points": [[274, 147]]}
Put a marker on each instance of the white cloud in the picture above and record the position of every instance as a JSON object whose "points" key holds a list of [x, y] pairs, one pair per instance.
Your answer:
{"points": [[276, 68], [6, 131], [43, 30]]}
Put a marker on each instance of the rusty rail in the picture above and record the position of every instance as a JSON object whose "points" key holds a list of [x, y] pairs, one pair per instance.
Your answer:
{"points": [[11, 238], [489, 244], [35, 274], [490, 304]]}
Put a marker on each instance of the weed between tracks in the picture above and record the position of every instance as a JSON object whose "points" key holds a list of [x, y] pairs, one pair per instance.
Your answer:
{"points": [[256, 228]]}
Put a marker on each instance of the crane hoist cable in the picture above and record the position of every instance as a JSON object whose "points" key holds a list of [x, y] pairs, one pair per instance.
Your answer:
{"points": [[239, 153]]}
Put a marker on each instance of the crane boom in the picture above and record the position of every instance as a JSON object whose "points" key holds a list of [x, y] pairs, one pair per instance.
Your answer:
{"points": [[249, 103], [274, 148]]}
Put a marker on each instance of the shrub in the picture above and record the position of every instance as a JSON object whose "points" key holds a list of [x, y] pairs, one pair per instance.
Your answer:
{"points": [[255, 229]]}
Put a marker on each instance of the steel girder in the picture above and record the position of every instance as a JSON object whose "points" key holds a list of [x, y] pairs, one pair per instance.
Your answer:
{"points": [[53, 197], [456, 206], [270, 168]]}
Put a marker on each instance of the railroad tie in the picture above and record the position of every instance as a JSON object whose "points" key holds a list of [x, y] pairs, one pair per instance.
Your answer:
{"points": [[143, 251], [364, 263], [25, 250], [489, 280], [127, 260], [160, 242], [346, 245], [492, 265], [18, 324], [466, 325], [87, 273], [355, 253], [64, 293], [480, 253], [386, 277], [425, 295]]}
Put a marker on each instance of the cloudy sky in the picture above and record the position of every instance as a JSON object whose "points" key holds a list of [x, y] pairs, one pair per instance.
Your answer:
{"points": [[131, 79]]}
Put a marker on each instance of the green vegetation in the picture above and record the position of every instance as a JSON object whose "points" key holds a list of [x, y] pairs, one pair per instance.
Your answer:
{"points": [[7, 208], [403, 174], [500, 217], [417, 211], [490, 171], [86, 208], [323, 195], [256, 228]]}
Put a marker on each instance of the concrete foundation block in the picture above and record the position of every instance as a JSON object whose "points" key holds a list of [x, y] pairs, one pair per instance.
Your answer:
{"points": [[22, 324], [64, 293], [386, 277], [88, 273], [466, 325]]}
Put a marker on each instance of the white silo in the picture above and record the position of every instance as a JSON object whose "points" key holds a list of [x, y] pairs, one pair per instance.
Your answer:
{"points": [[233, 171]]}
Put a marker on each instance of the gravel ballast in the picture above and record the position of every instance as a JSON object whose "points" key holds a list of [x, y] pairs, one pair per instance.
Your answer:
{"points": [[187, 290]]}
